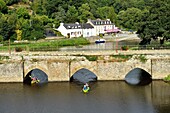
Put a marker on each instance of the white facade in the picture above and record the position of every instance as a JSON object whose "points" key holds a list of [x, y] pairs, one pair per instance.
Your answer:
{"points": [[76, 30], [89, 32], [72, 32], [101, 26]]}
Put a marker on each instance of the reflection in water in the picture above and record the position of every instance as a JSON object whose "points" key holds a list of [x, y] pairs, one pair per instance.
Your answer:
{"points": [[102, 46], [38, 75], [83, 76], [138, 76], [104, 97]]}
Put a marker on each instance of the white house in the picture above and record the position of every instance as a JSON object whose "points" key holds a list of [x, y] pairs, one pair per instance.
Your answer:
{"points": [[76, 30], [102, 26]]}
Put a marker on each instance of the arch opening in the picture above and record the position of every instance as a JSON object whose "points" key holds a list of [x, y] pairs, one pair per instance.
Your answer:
{"points": [[83, 76], [138, 76], [36, 76]]}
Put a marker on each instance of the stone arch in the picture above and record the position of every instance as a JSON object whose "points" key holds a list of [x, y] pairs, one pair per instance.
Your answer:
{"points": [[138, 76], [27, 69], [83, 75], [40, 75]]}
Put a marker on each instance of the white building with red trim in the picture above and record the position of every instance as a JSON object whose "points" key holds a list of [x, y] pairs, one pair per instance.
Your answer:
{"points": [[89, 29], [103, 26]]}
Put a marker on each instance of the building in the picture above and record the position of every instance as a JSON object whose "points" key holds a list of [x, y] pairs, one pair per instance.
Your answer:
{"points": [[76, 30], [103, 26], [91, 28]]}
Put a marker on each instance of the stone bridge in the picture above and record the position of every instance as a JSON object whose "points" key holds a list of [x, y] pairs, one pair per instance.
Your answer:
{"points": [[61, 68]]}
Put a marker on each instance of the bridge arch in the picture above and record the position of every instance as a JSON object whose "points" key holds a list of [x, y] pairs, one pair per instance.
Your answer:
{"points": [[36, 73], [83, 75], [29, 67], [138, 76]]}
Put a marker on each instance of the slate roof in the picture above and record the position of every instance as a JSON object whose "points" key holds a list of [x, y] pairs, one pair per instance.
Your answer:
{"points": [[101, 22], [78, 26]]}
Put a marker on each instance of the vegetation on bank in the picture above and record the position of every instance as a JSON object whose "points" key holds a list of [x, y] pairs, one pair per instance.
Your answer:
{"points": [[45, 45], [167, 78]]}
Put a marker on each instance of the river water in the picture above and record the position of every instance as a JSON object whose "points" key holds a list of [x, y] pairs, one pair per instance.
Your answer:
{"points": [[66, 97], [102, 46]]}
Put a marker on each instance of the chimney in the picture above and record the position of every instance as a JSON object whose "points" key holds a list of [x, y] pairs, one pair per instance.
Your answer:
{"points": [[61, 24]]}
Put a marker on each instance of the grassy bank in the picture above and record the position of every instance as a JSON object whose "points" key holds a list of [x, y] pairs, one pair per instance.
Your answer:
{"points": [[49, 45]]}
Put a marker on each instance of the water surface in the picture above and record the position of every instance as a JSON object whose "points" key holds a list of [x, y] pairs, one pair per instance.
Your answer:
{"points": [[66, 97]]}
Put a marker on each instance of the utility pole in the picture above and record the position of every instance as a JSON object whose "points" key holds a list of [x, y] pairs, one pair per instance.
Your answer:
{"points": [[9, 48]]}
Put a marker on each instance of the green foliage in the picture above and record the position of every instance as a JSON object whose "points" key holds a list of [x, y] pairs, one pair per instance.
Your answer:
{"points": [[155, 22], [22, 12], [142, 58], [91, 58], [72, 14], [7, 26], [84, 13], [18, 49], [149, 17], [1, 38], [129, 18], [167, 78], [3, 7], [3, 57], [124, 47]]}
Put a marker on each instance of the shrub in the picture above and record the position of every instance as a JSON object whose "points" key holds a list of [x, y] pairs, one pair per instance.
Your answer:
{"points": [[124, 47], [91, 58], [167, 78], [18, 49]]}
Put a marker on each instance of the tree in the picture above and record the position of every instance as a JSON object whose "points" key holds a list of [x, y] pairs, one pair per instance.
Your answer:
{"points": [[7, 26], [60, 15], [107, 13], [154, 23], [3, 7], [84, 13], [22, 12], [71, 15], [129, 18]]}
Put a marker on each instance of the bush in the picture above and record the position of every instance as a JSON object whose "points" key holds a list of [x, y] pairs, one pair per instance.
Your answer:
{"points": [[18, 49], [124, 47], [167, 78], [91, 58]]}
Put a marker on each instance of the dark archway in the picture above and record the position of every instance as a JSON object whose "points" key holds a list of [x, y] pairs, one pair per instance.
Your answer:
{"points": [[38, 74], [138, 76], [83, 76]]}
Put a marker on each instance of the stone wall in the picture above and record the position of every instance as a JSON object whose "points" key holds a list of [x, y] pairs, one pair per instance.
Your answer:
{"points": [[160, 68], [61, 68], [11, 71]]}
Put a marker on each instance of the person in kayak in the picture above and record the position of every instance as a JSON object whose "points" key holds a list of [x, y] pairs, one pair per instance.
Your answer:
{"points": [[34, 80], [86, 88]]}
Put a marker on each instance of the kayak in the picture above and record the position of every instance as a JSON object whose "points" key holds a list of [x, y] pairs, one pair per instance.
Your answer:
{"points": [[35, 81], [86, 90]]}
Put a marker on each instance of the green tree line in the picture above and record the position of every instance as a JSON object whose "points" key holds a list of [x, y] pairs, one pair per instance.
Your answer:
{"points": [[28, 19]]}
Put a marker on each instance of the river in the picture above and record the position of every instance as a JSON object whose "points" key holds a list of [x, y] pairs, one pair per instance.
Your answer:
{"points": [[66, 97], [102, 46]]}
